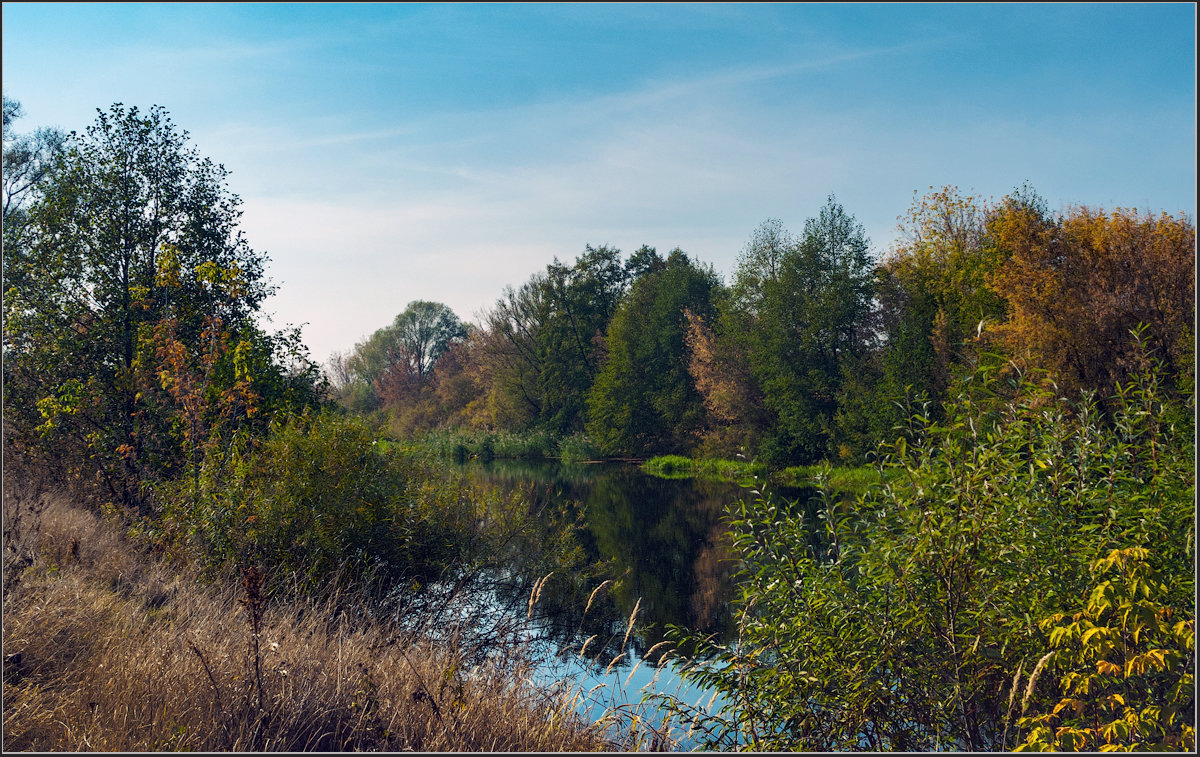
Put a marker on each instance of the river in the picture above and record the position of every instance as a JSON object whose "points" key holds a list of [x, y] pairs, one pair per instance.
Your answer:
{"points": [[662, 545]]}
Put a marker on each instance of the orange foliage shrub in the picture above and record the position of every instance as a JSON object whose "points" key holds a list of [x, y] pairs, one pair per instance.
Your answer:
{"points": [[1078, 283]]}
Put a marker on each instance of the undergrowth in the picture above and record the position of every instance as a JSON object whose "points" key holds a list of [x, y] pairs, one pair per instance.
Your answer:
{"points": [[849, 480], [108, 648]]}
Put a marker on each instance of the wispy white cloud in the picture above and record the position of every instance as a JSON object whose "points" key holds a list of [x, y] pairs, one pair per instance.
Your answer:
{"points": [[584, 172], [463, 204], [740, 76]]}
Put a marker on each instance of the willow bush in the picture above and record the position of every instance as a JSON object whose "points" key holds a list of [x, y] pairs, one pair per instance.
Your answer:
{"points": [[919, 616], [1127, 663]]}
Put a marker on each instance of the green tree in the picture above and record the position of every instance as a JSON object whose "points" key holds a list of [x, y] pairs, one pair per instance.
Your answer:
{"points": [[934, 304], [131, 245], [27, 160], [644, 400], [423, 333], [802, 308], [395, 362], [580, 301], [508, 365], [539, 351]]}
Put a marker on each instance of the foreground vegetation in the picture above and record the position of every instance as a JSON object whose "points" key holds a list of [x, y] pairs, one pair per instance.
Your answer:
{"points": [[110, 649], [1024, 579]]}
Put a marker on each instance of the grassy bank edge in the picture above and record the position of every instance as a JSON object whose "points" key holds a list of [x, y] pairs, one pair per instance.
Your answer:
{"points": [[485, 446], [850, 479], [109, 648]]}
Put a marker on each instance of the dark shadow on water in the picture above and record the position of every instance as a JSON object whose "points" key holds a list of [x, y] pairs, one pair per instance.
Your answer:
{"points": [[663, 543], [663, 547]]}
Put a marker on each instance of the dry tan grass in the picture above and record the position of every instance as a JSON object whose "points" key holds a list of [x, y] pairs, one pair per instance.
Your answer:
{"points": [[106, 649]]}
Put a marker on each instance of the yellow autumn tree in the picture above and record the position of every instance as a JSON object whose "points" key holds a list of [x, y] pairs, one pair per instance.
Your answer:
{"points": [[933, 286], [1080, 282]]}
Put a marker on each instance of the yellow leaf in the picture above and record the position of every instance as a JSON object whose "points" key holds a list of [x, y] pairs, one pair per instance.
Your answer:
{"points": [[1158, 658], [1091, 633], [1154, 659], [1057, 635]]}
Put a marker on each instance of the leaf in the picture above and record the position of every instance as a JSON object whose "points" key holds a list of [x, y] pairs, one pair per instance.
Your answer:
{"points": [[1117, 730], [1060, 635], [1092, 633]]}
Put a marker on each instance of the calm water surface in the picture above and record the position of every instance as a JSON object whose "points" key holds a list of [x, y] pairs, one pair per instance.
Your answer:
{"points": [[663, 542]]}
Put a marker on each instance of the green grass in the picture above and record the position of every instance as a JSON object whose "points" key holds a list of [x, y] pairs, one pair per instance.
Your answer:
{"points": [[670, 466], [577, 449], [739, 471], [486, 446], [853, 480]]}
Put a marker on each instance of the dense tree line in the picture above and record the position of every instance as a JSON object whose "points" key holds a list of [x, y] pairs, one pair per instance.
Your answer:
{"points": [[131, 335], [816, 346]]}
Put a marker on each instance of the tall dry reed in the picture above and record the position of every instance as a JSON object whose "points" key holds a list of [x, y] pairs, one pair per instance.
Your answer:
{"points": [[108, 649]]}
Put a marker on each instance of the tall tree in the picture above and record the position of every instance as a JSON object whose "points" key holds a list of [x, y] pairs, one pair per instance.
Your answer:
{"points": [[398, 359], [580, 300], [802, 308], [1080, 282], [508, 362], [132, 251], [760, 265], [935, 288], [27, 160], [539, 346], [423, 332], [644, 401], [934, 303]]}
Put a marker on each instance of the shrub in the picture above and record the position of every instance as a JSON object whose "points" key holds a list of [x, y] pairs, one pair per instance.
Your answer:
{"points": [[670, 466], [904, 620], [1125, 665], [578, 448], [741, 471], [316, 497]]}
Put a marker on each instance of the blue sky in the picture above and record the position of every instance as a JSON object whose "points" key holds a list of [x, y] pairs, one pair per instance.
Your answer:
{"points": [[387, 153]]}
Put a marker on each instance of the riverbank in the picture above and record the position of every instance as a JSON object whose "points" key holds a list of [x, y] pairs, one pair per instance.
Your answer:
{"points": [[486, 446], [847, 479], [110, 648]]}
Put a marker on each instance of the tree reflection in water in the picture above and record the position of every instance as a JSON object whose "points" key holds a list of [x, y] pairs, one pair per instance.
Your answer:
{"points": [[661, 542]]}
